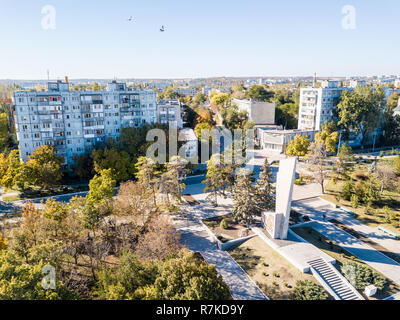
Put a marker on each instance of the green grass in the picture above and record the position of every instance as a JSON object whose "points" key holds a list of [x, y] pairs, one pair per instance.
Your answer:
{"points": [[376, 216]]}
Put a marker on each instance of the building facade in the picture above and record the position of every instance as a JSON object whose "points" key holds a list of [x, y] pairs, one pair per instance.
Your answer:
{"points": [[169, 110], [262, 113], [277, 140], [75, 121], [317, 105]]}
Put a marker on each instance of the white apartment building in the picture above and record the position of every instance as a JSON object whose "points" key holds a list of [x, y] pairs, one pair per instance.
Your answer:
{"points": [[260, 112], [317, 105], [170, 110], [75, 121]]}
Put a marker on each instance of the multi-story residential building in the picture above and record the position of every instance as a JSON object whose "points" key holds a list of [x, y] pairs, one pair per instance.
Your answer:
{"points": [[317, 105], [258, 111], [75, 121], [187, 91], [169, 110]]}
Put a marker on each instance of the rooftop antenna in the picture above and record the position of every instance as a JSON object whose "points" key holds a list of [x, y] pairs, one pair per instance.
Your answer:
{"points": [[315, 80]]}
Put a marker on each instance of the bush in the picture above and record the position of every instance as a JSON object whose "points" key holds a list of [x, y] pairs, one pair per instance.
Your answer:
{"points": [[347, 190], [355, 202], [396, 165], [307, 290], [299, 182], [362, 276], [224, 224]]}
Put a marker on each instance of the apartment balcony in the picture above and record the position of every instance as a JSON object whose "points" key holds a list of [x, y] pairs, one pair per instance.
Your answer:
{"points": [[94, 127], [49, 103], [42, 112]]}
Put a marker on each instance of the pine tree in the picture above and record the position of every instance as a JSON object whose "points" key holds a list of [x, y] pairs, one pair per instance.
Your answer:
{"points": [[265, 189], [245, 206]]}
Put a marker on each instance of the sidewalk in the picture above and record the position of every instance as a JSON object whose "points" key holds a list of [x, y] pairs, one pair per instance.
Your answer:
{"points": [[196, 238], [316, 207]]}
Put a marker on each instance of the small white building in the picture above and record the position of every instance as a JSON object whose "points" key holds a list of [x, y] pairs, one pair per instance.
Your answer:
{"points": [[277, 140]]}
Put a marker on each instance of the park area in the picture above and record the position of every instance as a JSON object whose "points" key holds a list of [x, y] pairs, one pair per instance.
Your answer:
{"points": [[374, 198], [274, 275], [343, 257]]}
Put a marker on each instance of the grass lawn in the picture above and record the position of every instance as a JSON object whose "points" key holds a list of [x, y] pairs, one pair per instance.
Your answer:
{"points": [[273, 273], [374, 218], [342, 256]]}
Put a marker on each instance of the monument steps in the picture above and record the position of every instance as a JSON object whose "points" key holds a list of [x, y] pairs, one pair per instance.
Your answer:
{"points": [[333, 281]]}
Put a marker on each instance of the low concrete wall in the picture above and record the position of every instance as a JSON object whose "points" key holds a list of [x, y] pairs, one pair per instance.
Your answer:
{"points": [[236, 242], [229, 244]]}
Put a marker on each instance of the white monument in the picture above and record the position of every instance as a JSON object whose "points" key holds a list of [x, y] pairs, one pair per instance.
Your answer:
{"points": [[370, 290], [277, 223]]}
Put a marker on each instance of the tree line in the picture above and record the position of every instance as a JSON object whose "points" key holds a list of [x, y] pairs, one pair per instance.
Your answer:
{"points": [[105, 247]]}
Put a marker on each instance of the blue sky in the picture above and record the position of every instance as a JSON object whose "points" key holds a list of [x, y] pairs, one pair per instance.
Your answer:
{"points": [[203, 38]]}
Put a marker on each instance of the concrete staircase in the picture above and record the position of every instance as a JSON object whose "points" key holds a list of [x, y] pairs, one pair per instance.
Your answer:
{"points": [[333, 281]]}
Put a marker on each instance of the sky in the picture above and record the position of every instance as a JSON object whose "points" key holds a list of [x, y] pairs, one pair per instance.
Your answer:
{"points": [[202, 38]]}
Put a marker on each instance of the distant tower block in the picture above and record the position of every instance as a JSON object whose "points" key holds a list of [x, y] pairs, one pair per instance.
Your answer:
{"points": [[277, 223]]}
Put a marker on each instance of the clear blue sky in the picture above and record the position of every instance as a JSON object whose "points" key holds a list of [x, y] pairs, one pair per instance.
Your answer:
{"points": [[203, 38]]}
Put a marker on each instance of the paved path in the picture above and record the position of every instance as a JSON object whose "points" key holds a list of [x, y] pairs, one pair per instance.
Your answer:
{"points": [[380, 262], [315, 207], [196, 237]]}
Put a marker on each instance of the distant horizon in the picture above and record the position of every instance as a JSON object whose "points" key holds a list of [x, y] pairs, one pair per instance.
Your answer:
{"points": [[211, 77]]}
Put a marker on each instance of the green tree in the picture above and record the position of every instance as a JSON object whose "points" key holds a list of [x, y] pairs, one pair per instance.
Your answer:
{"points": [[219, 177], [361, 276], [396, 165], [174, 175], [12, 170], [344, 161], [233, 118], [308, 290], [361, 110], [5, 137], [317, 157], [328, 136], [127, 280], [184, 277], [245, 202], [83, 166], [44, 167], [347, 190], [220, 99], [147, 175], [265, 188], [111, 158], [259, 93], [298, 147], [287, 115], [94, 208], [21, 281]]}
